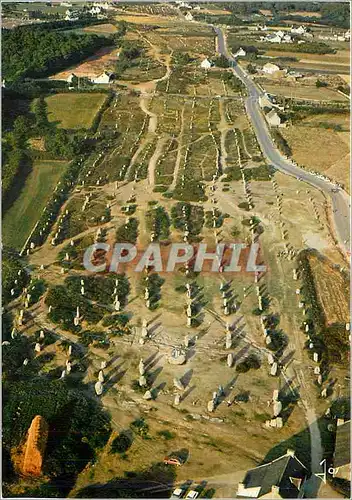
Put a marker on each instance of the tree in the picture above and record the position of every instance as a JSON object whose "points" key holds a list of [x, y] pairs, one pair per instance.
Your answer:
{"points": [[222, 61], [319, 84], [251, 69]]}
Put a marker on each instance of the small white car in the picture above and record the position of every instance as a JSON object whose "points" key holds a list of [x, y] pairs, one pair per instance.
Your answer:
{"points": [[192, 494], [177, 493]]}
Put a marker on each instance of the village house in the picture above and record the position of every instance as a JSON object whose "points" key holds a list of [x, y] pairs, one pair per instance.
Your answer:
{"points": [[342, 456], [298, 31], [281, 478], [206, 64], [189, 17], [105, 77], [273, 118], [270, 68], [277, 37], [240, 53]]}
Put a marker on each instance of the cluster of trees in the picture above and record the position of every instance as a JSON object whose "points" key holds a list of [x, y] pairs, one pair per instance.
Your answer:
{"points": [[194, 216], [29, 51], [128, 233], [158, 222], [16, 160], [11, 266], [180, 58], [281, 143], [129, 54]]}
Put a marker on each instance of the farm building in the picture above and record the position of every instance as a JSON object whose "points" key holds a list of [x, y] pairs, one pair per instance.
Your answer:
{"points": [[270, 68], [281, 478], [206, 64], [103, 78], [265, 102], [277, 37], [298, 31], [273, 118], [342, 457], [240, 53]]}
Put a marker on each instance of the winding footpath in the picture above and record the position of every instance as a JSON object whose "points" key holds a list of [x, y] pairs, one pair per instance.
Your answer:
{"points": [[340, 201]]}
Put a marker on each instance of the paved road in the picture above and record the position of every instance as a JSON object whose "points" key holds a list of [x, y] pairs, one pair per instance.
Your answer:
{"points": [[340, 200]]}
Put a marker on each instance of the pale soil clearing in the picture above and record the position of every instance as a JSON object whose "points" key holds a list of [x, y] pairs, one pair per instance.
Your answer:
{"points": [[103, 60]]}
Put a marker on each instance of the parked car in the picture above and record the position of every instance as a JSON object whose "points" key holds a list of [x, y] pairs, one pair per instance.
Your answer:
{"points": [[192, 494], [172, 461], [178, 493]]}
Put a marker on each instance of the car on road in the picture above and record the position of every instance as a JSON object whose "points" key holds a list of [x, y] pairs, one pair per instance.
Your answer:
{"points": [[192, 494]]}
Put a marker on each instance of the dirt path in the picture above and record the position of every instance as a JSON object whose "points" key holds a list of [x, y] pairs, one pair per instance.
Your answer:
{"points": [[223, 127], [179, 151], [154, 159], [153, 120]]}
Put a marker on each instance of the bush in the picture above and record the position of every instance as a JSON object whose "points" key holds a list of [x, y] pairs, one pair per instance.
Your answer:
{"points": [[121, 443]]}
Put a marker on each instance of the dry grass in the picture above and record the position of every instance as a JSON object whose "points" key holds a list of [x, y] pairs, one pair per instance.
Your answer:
{"points": [[320, 149], [142, 19], [305, 92], [346, 78], [306, 14], [101, 28], [342, 57], [332, 291]]}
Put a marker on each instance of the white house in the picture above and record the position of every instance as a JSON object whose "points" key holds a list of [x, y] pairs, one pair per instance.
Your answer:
{"points": [[189, 17], [272, 38], [273, 118], [287, 39], [206, 64], [196, 7], [240, 53], [95, 11], [70, 78], [270, 68], [103, 78], [298, 31]]}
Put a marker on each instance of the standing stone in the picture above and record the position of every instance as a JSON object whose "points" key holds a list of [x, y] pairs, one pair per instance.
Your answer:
{"points": [[277, 408], [148, 395], [177, 399], [98, 388], [211, 406], [101, 376], [230, 360], [273, 370]]}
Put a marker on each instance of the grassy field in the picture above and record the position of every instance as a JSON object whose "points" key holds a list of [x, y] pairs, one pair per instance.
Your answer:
{"points": [[20, 219], [74, 111]]}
